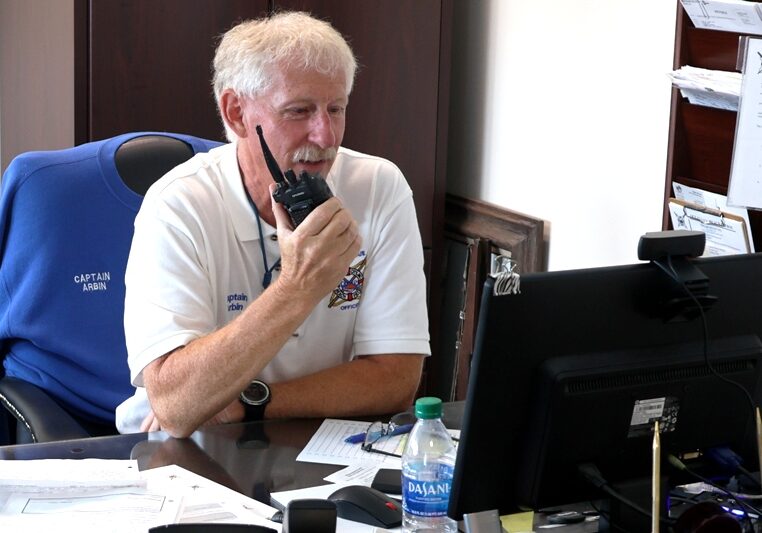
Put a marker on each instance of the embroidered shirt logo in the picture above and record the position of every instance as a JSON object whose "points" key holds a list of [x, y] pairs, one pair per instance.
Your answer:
{"points": [[349, 291], [93, 281]]}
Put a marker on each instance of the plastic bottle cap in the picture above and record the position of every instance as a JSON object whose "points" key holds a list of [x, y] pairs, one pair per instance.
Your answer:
{"points": [[428, 407]]}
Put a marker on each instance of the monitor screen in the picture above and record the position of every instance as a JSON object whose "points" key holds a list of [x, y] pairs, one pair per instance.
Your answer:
{"points": [[575, 369]]}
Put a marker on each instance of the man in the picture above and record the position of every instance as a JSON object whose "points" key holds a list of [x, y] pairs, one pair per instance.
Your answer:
{"points": [[341, 328]]}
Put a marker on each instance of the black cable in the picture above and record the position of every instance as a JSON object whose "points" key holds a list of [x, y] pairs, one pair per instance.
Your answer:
{"points": [[749, 475], [591, 473], [673, 274], [728, 459], [677, 463]]}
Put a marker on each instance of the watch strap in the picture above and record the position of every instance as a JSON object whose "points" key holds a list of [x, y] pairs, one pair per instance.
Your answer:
{"points": [[253, 413]]}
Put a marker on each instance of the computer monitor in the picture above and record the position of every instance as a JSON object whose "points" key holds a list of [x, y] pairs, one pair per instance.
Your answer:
{"points": [[576, 367]]}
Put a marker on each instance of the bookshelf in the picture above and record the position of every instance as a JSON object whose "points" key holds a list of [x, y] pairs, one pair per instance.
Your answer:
{"points": [[700, 138]]}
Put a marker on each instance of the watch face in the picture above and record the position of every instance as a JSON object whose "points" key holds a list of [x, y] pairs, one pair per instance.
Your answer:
{"points": [[257, 393]]}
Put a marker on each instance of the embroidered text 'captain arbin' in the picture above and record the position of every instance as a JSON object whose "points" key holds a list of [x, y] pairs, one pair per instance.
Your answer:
{"points": [[94, 281]]}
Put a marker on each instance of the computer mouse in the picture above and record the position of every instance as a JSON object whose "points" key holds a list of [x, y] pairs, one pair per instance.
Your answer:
{"points": [[367, 505]]}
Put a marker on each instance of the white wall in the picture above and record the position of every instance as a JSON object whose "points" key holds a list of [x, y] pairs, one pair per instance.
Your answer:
{"points": [[560, 110]]}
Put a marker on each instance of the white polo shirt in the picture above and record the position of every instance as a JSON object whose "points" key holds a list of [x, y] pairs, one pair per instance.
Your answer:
{"points": [[196, 263]]}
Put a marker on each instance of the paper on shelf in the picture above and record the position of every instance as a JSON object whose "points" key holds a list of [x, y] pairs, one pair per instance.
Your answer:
{"points": [[725, 15], [726, 234], [715, 202], [709, 88]]}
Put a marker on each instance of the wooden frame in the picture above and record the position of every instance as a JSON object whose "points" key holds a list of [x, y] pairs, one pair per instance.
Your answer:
{"points": [[486, 229], [521, 234]]}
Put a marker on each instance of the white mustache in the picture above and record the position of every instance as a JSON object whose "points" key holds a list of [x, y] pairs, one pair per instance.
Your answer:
{"points": [[313, 153]]}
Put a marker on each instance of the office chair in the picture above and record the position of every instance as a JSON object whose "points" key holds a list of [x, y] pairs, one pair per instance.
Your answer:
{"points": [[66, 224]]}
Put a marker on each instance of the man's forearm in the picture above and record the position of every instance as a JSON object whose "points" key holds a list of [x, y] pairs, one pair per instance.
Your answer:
{"points": [[379, 384], [195, 382]]}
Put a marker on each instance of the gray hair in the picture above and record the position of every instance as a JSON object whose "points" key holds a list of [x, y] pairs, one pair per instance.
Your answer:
{"points": [[248, 52]]}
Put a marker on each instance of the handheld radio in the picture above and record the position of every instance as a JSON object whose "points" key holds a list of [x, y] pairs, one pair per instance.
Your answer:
{"points": [[299, 195]]}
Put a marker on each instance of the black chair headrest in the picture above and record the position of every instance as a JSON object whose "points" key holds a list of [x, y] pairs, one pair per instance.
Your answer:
{"points": [[143, 160]]}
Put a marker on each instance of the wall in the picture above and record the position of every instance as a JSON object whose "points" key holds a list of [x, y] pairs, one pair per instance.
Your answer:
{"points": [[36, 76], [560, 110]]}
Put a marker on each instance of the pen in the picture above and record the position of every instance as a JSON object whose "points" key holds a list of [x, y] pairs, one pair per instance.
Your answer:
{"points": [[759, 435], [656, 480], [360, 437]]}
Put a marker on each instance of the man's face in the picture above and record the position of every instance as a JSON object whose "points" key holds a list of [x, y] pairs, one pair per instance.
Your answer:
{"points": [[302, 117]]}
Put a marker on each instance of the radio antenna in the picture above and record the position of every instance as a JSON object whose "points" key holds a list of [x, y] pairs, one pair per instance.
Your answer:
{"points": [[272, 165]]}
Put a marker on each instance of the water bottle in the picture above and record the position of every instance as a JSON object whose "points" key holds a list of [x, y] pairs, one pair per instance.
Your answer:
{"points": [[427, 467]]}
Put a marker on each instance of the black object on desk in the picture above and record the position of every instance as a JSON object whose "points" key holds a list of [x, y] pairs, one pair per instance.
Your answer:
{"points": [[309, 516], [388, 481], [367, 505]]}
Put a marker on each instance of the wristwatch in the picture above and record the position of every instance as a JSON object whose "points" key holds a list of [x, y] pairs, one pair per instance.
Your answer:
{"points": [[255, 398]]}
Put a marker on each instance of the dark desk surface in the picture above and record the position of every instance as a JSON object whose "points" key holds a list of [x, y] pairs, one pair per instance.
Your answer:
{"points": [[255, 459]]}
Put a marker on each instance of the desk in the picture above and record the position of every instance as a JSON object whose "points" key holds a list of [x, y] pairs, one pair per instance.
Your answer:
{"points": [[255, 459]]}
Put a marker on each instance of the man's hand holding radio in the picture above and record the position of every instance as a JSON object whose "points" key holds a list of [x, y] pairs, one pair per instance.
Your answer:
{"points": [[316, 255]]}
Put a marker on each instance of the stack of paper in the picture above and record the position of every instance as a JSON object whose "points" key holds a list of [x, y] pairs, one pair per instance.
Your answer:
{"points": [[112, 495], [710, 88]]}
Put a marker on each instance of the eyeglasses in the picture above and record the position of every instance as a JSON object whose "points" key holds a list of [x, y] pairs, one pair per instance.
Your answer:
{"points": [[397, 425]]}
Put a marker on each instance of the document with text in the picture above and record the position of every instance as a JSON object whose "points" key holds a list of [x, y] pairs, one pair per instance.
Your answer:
{"points": [[725, 15], [113, 495], [328, 445]]}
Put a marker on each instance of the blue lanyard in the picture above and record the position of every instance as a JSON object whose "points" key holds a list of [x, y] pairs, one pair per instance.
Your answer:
{"points": [[267, 278]]}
